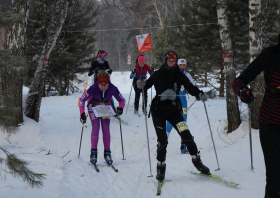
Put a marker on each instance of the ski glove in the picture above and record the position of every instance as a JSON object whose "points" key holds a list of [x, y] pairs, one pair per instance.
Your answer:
{"points": [[119, 111], [83, 118], [95, 71], [109, 71], [203, 97], [135, 70], [152, 68], [141, 84], [246, 95]]}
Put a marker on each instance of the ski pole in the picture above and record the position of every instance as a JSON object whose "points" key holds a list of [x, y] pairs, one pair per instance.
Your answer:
{"points": [[129, 98], [121, 136], [211, 136], [191, 105], [81, 141], [130, 93], [147, 133], [250, 136]]}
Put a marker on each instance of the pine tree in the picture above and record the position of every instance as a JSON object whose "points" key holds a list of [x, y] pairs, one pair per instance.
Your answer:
{"points": [[73, 48]]}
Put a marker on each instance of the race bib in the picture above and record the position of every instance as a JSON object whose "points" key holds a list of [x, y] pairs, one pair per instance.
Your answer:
{"points": [[103, 110], [182, 126], [185, 111]]}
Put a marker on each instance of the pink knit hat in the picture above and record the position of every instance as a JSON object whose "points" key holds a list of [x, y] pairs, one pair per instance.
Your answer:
{"points": [[141, 59]]}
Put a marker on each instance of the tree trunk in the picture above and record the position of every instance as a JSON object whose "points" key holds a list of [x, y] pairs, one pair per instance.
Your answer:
{"points": [[33, 102], [222, 83], [205, 79], [233, 115], [258, 17], [12, 81]]}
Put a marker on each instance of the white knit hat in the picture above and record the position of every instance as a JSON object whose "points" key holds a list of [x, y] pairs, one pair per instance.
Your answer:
{"points": [[182, 61]]}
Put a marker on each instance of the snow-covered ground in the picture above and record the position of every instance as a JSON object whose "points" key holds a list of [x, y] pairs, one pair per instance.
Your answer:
{"points": [[59, 131]]}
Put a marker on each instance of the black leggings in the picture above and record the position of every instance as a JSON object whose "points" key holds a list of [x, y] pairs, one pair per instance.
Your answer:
{"points": [[137, 95], [178, 122], [270, 142]]}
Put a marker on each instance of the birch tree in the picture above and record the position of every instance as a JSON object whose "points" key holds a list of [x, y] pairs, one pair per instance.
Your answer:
{"points": [[36, 89], [258, 40], [12, 81], [233, 115]]}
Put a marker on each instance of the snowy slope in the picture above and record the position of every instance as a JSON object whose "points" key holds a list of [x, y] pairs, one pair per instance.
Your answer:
{"points": [[59, 131]]}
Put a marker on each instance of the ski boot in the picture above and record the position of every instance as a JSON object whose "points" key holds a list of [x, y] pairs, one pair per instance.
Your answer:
{"points": [[93, 156], [108, 157], [199, 165], [136, 111], [161, 167], [184, 149]]}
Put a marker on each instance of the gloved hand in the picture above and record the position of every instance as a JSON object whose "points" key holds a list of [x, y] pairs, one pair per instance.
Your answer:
{"points": [[135, 70], [246, 95], [152, 68], [95, 70], [83, 118], [109, 71], [141, 84], [142, 77], [203, 97], [119, 111]]}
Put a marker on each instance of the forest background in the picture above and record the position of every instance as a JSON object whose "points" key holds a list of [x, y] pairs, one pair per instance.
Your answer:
{"points": [[47, 44]]}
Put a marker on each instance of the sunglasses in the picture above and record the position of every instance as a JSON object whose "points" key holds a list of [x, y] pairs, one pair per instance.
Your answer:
{"points": [[104, 84], [173, 62]]}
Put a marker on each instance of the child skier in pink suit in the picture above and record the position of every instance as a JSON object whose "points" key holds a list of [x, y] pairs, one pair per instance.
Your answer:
{"points": [[100, 93]]}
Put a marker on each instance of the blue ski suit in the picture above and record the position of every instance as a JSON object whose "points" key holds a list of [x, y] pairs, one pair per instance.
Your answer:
{"points": [[183, 93]]}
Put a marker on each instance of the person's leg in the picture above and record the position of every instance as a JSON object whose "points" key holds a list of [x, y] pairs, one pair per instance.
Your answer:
{"points": [[94, 134], [105, 124], [168, 128], [181, 126], [178, 122], [137, 96], [160, 128], [270, 142], [95, 123], [183, 147]]}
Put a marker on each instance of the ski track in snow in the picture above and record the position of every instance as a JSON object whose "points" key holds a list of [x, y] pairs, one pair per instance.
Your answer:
{"points": [[59, 131]]}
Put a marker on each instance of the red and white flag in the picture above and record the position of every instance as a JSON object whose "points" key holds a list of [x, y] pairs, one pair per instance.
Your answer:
{"points": [[143, 43]]}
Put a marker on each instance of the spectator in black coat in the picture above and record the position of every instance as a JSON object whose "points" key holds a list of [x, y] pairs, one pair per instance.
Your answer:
{"points": [[269, 118]]}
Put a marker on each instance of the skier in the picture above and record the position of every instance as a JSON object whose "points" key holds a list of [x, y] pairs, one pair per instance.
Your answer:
{"points": [[166, 106], [140, 71], [182, 63], [100, 93], [99, 64], [267, 61]]}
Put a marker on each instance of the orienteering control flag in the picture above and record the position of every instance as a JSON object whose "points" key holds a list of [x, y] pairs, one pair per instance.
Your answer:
{"points": [[143, 43]]}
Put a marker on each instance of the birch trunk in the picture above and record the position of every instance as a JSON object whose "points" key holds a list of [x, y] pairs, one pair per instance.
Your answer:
{"points": [[33, 102], [155, 3], [13, 79], [233, 115], [258, 17]]}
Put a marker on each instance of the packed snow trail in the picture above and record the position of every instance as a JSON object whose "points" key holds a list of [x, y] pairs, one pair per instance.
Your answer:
{"points": [[45, 145]]}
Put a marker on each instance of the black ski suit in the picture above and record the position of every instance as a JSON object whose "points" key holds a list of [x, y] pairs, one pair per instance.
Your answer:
{"points": [[269, 117], [167, 110], [100, 67]]}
